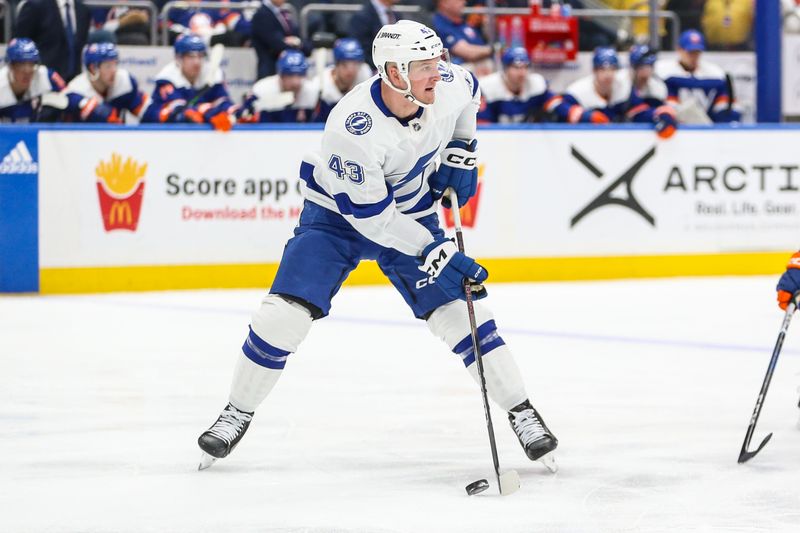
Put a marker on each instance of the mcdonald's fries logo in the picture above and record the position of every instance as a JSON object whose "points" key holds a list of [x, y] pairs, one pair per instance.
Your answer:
{"points": [[469, 211], [120, 189]]}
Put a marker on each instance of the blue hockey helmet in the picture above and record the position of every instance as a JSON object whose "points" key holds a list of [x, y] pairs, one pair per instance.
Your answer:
{"points": [[604, 57], [347, 50], [22, 50], [292, 62], [97, 53], [642, 55], [188, 43], [516, 55], [692, 40]]}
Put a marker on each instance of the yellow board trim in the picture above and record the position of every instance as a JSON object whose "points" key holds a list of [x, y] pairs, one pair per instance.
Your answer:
{"points": [[151, 278]]}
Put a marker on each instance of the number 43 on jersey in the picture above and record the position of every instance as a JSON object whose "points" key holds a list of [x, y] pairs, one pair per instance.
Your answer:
{"points": [[349, 169]]}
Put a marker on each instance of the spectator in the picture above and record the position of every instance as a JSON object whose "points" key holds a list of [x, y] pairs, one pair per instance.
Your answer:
{"points": [[728, 23], [465, 43], [129, 26], [348, 70], [699, 90], [365, 24], [273, 31], [639, 27], [222, 26], [59, 28], [647, 102], [24, 83], [104, 92], [515, 94], [188, 91], [286, 97]]}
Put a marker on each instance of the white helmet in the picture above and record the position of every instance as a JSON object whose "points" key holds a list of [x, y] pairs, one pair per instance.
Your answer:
{"points": [[404, 42]]}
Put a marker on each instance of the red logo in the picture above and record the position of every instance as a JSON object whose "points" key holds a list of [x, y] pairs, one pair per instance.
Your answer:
{"points": [[120, 189]]}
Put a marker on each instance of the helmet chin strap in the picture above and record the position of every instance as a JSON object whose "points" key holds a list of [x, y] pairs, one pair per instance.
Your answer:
{"points": [[406, 92]]}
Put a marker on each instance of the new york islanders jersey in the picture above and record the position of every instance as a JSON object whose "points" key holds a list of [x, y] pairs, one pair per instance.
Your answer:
{"points": [[173, 92], [502, 106], [275, 105], [87, 105], [643, 101], [23, 109], [373, 167], [329, 94], [581, 96], [707, 86]]}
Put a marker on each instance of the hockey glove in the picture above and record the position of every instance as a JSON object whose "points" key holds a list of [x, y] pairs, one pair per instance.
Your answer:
{"points": [[789, 284], [448, 268], [222, 121], [594, 117], [666, 123], [459, 170]]}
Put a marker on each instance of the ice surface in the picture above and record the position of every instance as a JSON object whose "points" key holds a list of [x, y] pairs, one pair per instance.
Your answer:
{"points": [[376, 427]]}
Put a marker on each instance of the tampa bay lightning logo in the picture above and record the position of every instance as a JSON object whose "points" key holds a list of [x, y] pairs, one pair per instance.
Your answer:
{"points": [[445, 73], [358, 123]]}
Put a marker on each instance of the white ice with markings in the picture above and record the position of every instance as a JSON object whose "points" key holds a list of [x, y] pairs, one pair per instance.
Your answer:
{"points": [[376, 427]]}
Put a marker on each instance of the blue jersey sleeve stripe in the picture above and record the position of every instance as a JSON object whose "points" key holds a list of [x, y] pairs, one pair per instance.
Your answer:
{"points": [[347, 207], [474, 83], [307, 175], [424, 203]]}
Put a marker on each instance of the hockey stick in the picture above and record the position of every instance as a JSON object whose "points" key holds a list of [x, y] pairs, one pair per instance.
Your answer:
{"points": [[745, 455], [507, 482]]}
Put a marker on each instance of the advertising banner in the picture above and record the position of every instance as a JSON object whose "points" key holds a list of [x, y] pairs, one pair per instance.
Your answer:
{"points": [[579, 193], [115, 198], [19, 236]]}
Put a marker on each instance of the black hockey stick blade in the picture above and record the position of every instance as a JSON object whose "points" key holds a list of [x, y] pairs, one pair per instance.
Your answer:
{"points": [[745, 456]]}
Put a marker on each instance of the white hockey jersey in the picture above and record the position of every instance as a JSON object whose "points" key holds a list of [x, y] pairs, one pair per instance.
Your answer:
{"points": [[124, 94], [503, 107], [373, 168], [274, 105], [705, 88]]}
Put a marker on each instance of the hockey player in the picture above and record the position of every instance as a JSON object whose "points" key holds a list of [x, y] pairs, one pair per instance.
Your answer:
{"points": [[348, 71], [24, 82], [599, 98], [789, 284], [371, 192], [288, 96], [515, 94], [104, 92], [647, 102], [605, 96], [695, 86], [185, 94]]}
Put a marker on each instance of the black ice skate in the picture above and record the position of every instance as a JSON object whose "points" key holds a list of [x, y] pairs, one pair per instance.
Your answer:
{"points": [[534, 436], [222, 437]]}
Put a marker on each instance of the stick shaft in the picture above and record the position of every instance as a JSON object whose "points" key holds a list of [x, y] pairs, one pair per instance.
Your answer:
{"points": [[475, 341], [787, 319]]}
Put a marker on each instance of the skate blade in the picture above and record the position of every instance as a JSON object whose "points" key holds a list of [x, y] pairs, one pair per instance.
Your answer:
{"points": [[549, 461], [509, 482], [206, 461]]}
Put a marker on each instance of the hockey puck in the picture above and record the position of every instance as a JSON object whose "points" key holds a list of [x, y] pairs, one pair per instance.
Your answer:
{"points": [[476, 487]]}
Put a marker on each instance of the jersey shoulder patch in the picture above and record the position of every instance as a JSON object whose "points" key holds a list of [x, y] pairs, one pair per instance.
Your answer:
{"points": [[358, 123]]}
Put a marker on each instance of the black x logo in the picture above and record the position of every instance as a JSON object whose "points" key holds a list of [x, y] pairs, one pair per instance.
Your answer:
{"points": [[605, 197]]}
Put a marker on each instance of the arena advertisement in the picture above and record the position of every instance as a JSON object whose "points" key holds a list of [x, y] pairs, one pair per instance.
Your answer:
{"points": [[198, 197], [143, 198], [580, 193]]}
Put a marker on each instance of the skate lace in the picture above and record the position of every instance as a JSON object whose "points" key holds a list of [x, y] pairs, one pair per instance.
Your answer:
{"points": [[229, 425], [528, 426]]}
